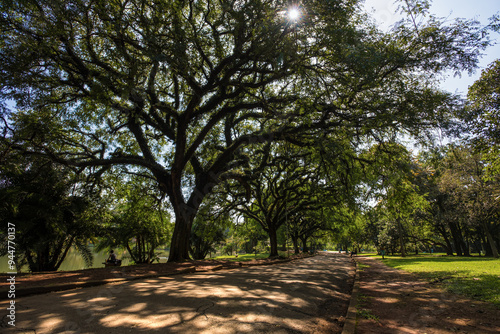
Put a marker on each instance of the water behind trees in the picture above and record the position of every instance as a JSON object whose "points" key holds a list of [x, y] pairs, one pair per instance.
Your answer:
{"points": [[74, 261]]}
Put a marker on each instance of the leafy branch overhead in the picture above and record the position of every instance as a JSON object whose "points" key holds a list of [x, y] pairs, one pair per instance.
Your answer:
{"points": [[180, 89]]}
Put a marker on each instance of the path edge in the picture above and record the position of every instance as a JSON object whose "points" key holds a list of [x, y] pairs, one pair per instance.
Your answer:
{"points": [[350, 322]]}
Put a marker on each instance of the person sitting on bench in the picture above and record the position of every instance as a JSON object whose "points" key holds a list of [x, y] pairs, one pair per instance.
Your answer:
{"points": [[112, 258]]}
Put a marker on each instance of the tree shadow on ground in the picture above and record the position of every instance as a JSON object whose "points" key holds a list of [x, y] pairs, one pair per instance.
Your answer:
{"points": [[305, 296]]}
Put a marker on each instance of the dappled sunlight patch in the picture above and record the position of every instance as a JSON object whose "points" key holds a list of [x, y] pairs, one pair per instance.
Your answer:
{"points": [[296, 302], [152, 321], [67, 295], [389, 300], [423, 300], [135, 307], [115, 280], [383, 290], [98, 300], [51, 321], [244, 328], [46, 316], [461, 321], [264, 316], [150, 281], [264, 321]]}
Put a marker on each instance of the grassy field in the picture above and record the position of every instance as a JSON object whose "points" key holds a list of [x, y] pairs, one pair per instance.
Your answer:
{"points": [[475, 277]]}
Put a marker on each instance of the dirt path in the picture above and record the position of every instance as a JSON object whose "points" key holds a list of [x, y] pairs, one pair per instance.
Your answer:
{"points": [[28, 284], [394, 301], [303, 296]]}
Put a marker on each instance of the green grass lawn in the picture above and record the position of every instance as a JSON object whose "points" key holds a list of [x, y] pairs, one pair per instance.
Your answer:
{"points": [[475, 277]]}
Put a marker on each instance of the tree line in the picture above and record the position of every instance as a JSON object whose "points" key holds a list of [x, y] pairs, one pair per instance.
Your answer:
{"points": [[439, 200]]}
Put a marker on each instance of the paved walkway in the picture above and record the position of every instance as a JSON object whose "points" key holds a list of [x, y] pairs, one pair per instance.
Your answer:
{"points": [[304, 296]]}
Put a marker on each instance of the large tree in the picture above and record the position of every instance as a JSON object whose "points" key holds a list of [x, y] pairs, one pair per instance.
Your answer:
{"points": [[178, 88]]}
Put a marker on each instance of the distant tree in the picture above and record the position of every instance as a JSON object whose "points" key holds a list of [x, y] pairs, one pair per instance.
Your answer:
{"points": [[137, 219], [208, 230], [474, 200], [484, 116], [251, 235], [282, 183], [393, 184], [439, 216]]}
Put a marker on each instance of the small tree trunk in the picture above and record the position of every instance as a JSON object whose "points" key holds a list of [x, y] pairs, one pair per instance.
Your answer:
{"points": [[401, 239], [66, 250], [490, 239], [295, 245], [444, 234], [456, 238], [305, 249], [134, 258], [463, 244]]}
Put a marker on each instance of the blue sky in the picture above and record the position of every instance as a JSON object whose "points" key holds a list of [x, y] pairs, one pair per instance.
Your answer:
{"points": [[385, 12]]}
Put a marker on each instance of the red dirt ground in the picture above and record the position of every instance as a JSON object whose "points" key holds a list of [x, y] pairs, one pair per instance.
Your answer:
{"points": [[394, 301]]}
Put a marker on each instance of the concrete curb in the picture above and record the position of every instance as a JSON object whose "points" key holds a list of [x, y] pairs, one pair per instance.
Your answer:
{"points": [[350, 321]]}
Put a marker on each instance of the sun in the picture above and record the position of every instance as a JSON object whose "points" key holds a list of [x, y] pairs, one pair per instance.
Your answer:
{"points": [[293, 13]]}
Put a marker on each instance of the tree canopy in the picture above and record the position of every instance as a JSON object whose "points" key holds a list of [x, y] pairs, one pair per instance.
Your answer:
{"points": [[182, 91], [484, 115]]}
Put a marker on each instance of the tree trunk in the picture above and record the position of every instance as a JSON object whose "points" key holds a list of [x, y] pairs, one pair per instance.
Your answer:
{"points": [[66, 250], [138, 249], [273, 240], [401, 239], [295, 245], [31, 262], [456, 238], [461, 240], [179, 246], [284, 245], [444, 234], [134, 258], [185, 213], [490, 239], [305, 249]]}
